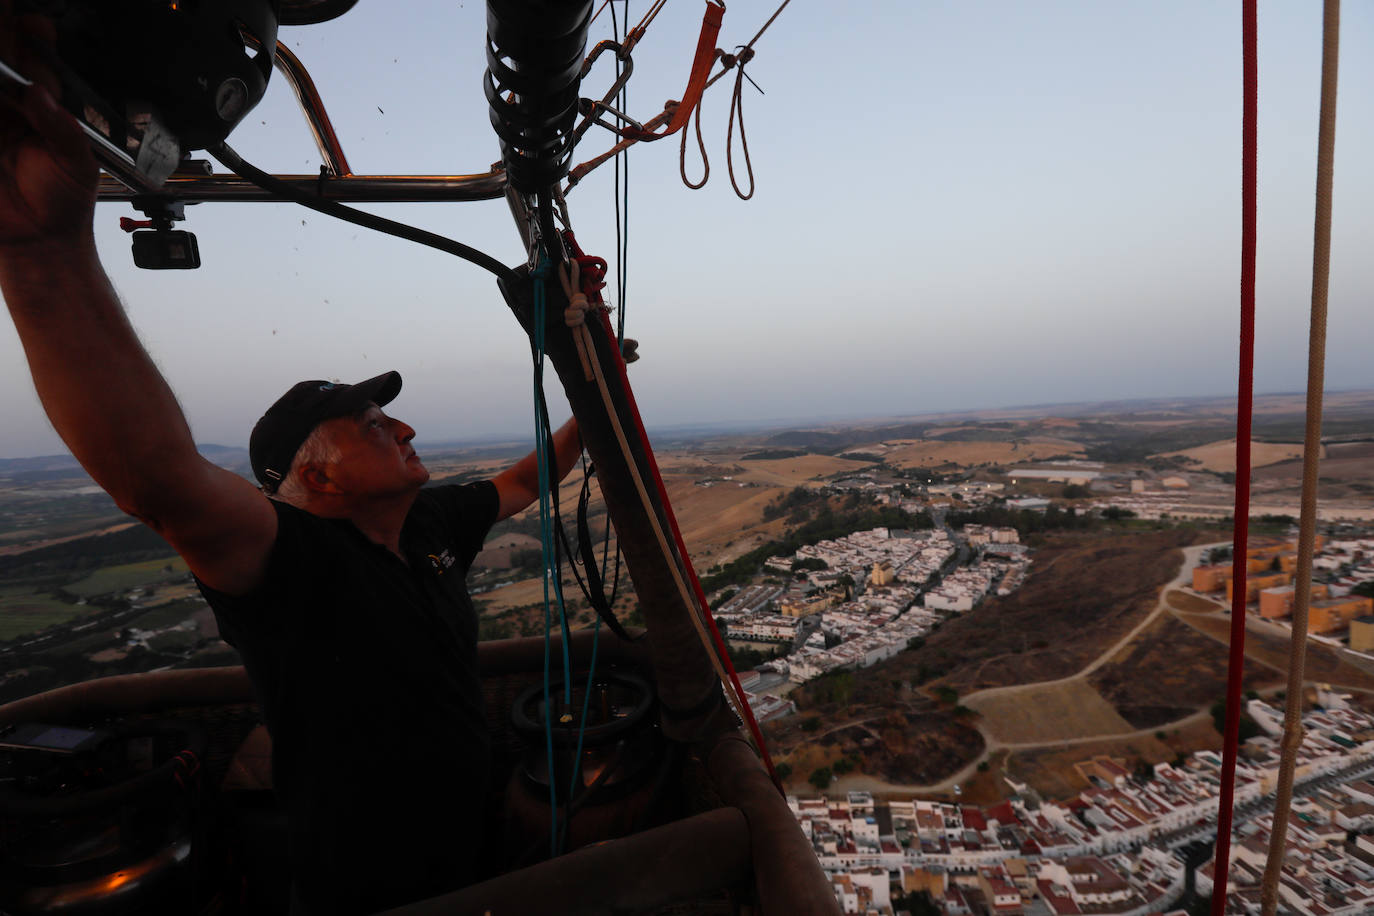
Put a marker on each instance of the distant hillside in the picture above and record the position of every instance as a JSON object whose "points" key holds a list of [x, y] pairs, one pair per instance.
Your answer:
{"points": [[63, 467]]}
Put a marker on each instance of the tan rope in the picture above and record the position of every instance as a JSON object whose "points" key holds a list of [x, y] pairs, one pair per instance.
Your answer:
{"points": [[701, 145], [575, 314], [632, 36], [581, 171], [759, 33], [1316, 371], [737, 110]]}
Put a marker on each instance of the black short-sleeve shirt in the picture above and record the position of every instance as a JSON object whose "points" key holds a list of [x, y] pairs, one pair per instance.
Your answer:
{"points": [[366, 668]]}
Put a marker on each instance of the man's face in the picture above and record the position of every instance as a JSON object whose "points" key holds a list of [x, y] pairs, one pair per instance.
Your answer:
{"points": [[375, 455]]}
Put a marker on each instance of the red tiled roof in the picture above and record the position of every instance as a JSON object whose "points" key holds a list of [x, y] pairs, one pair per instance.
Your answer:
{"points": [[1003, 813], [1058, 903]]}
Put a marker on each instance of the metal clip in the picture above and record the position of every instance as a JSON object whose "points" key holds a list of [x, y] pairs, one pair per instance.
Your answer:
{"points": [[589, 107]]}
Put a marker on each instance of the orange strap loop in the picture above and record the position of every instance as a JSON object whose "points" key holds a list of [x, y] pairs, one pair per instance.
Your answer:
{"points": [[696, 82]]}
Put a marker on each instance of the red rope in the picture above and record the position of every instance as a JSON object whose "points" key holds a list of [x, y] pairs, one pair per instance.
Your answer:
{"points": [[716, 639], [687, 562], [1244, 398]]}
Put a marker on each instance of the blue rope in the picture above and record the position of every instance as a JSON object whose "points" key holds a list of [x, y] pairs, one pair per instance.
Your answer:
{"points": [[586, 700], [539, 423], [544, 438]]}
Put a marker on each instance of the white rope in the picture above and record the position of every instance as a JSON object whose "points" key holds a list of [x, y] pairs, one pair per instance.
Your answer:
{"points": [[1316, 366]]}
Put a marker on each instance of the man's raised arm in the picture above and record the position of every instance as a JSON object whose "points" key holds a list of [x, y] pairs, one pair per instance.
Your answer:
{"points": [[99, 387], [518, 485]]}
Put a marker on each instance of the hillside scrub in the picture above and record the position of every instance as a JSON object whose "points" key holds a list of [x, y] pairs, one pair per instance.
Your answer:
{"points": [[1168, 672], [1083, 593]]}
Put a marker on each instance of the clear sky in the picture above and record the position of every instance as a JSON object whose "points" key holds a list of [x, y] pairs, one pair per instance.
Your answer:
{"points": [[961, 204]]}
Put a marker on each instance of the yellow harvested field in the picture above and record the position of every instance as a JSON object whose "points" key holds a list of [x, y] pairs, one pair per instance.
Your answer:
{"points": [[799, 471], [1221, 456], [1057, 711], [718, 523], [723, 512], [919, 453], [518, 594]]}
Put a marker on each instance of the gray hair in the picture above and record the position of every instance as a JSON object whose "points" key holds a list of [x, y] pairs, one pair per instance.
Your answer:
{"points": [[318, 448]]}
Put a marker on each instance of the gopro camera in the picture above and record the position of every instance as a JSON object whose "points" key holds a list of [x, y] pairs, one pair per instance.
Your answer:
{"points": [[167, 249]]}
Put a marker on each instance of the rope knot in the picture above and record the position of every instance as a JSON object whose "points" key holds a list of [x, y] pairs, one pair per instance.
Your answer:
{"points": [[570, 276]]}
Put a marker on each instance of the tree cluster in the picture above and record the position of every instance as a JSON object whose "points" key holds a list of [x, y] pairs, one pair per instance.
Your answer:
{"points": [[1248, 727]]}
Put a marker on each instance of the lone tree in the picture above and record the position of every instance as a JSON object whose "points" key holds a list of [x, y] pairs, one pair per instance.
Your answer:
{"points": [[820, 778], [1249, 728]]}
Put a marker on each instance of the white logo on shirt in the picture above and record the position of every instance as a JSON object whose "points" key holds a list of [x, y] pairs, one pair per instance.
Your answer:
{"points": [[442, 561]]}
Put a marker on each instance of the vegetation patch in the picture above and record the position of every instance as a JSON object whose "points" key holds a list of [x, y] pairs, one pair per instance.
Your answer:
{"points": [[1170, 671], [772, 454], [1053, 776], [900, 746], [1192, 604], [986, 787], [1262, 645], [128, 576], [83, 555]]}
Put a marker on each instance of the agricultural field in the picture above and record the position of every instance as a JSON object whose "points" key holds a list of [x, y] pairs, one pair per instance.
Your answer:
{"points": [[802, 470], [931, 453], [28, 613], [1221, 456]]}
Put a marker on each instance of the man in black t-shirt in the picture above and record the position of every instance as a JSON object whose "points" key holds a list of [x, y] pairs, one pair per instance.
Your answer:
{"points": [[344, 593], [363, 649]]}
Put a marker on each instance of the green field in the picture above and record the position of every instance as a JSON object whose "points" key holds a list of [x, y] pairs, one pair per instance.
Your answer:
{"points": [[130, 575], [21, 614]]}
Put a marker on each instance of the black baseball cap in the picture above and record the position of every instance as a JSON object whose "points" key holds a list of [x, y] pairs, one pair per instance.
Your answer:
{"points": [[288, 423]]}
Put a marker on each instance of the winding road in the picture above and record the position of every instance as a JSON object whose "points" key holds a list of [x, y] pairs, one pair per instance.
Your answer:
{"points": [[984, 698]]}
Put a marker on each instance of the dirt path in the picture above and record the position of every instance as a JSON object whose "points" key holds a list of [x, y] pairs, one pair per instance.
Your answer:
{"points": [[1190, 558], [999, 702], [986, 699]]}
